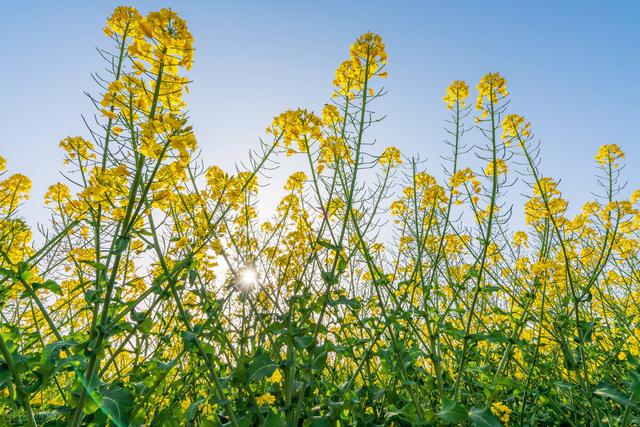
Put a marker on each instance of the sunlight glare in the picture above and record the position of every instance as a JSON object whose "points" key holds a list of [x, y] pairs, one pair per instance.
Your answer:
{"points": [[248, 278]]}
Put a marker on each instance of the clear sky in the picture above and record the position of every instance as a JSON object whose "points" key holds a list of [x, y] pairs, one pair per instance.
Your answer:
{"points": [[572, 69]]}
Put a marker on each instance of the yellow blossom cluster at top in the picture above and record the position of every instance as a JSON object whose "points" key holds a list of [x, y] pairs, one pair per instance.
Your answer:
{"points": [[15, 235], [331, 117], [13, 191], [390, 157], [609, 155], [151, 95], [491, 89], [515, 126], [122, 21], [457, 92], [546, 202], [498, 166], [462, 177], [162, 37], [296, 126], [77, 147], [368, 56], [521, 238], [296, 181]]}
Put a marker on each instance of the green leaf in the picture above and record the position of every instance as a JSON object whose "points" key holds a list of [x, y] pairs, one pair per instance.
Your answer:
{"points": [[211, 421], [137, 317], [116, 404], [342, 264], [483, 418], [5, 376], [609, 392], [49, 285], [49, 359], [453, 412], [97, 265], [122, 242], [634, 384], [351, 302], [92, 405], [585, 330], [320, 422], [189, 338], [274, 420], [26, 276], [329, 277], [473, 273], [406, 413], [261, 366], [302, 341], [92, 296], [327, 245], [192, 410], [193, 274]]}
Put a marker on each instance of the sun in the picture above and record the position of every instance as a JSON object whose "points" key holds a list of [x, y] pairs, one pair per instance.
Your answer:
{"points": [[247, 278]]}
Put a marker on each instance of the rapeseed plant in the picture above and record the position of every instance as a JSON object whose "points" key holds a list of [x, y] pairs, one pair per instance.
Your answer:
{"points": [[160, 296]]}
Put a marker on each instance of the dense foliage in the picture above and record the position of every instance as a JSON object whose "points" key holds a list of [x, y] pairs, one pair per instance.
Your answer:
{"points": [[376, 295]]}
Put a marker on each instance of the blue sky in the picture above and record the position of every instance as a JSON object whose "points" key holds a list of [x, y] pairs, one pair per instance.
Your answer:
{"points": [[572, 69]]}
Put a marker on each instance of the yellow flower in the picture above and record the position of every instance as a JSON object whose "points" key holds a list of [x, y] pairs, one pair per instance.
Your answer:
{"points": [[461, 177], [501, 411], [296, 126], [123, 20], [368, 56], [295, 182], [57, 194], [181, 242], [266, 399], [276, 377], [457, 92], [332, 149], [390, 157], [536, 208], [77, 147], [520, 238], [398, 208], [150, 148], [369, 47], [168, 33], [491, 87], [331, 116], [515, 126], [13, 191], [499, 165], [609, 154], [107, 185]]}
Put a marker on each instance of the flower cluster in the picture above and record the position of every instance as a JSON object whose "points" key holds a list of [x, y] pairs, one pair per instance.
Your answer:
{"points": [[546, 201], [368, 57], [609, 155], [515, 127], [296, 126], [390, 157], [491, 89], [456, 93], [497, 166]]}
